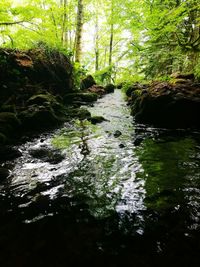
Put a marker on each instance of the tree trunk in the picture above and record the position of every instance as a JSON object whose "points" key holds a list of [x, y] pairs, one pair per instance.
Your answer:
{"points": [[111, 38], [64, 35], [111, 44], [79, 28], [97, 41], [54, 23]]}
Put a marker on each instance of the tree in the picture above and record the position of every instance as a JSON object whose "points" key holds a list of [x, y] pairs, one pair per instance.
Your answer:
{"points": [[79, 29]]}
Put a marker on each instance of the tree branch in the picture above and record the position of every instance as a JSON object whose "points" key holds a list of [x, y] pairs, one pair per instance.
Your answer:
{"points": [[11, 23]]}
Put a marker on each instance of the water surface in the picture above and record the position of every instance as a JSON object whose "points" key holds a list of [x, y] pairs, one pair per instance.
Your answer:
{"points": [[131, 200]]}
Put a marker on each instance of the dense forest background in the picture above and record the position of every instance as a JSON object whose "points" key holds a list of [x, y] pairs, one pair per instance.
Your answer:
{"points": [[113, 39]]}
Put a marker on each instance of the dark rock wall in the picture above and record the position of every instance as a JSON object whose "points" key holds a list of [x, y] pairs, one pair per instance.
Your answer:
{"points": [[25, 73]]}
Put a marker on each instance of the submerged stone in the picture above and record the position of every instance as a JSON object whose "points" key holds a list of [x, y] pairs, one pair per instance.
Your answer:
{"points": [[121, 145], [117, 133], [52, 156], [96, 119]]}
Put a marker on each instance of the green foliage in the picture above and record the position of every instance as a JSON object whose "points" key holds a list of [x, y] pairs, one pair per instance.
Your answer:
{"points": [[82, 131], [103, 76], [79, 73], [151, 39]]}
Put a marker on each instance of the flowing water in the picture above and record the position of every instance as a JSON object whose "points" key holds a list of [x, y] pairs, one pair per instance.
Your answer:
{"points": [[112, 194]]}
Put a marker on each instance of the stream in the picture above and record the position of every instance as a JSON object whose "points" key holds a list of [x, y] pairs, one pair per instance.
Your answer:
{"points": [[112, 194]]}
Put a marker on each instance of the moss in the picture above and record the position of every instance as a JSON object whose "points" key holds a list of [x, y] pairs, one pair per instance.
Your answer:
{"points": [[38, 117], [8, 108], [109, 88], [87, 82], [9, 118], [41, 99], [79, 113], [80, 97]]}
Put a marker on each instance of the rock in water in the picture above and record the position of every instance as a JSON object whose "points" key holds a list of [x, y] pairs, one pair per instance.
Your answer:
{"points": [[117, 133], [109, 88], [96, 119], [52, 156]]}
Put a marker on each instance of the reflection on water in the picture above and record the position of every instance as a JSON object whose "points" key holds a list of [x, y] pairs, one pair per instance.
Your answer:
{"points": [[132, 197]]}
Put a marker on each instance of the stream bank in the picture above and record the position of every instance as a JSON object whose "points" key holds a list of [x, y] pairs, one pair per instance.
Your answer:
{"points": [[37, 92], [174, 104], [115, 194]]}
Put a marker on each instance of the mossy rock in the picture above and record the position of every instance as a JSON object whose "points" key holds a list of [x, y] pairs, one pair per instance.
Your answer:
{"points": [[42, 99], [8, 123], [38, 117], [109, 88], [8, 108], [80, 97], [78, 113], [46, 154], [50, 102], [9, 118], [87, 82]]}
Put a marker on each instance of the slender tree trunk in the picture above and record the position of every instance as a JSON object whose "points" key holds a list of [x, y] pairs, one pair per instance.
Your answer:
{"points": [[64, 36], [79, 28], [54, 23], [105, 57], [97, 41], [111, 44], [111, 39]]}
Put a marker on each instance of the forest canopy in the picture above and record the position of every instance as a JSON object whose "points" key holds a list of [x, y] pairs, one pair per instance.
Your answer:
{"points": [[111, 38]]}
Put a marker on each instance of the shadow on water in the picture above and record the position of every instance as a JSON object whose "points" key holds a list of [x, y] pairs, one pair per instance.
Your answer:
{"points": [[104, 203]]}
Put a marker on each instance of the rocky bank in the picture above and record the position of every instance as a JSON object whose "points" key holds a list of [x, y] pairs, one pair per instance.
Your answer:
{"points": [[174, 104]]}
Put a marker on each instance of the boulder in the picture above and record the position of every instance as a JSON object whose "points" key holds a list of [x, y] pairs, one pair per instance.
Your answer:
{"points": [[46, 154], [117, 133], [135, 87], [80, 98], [168, 105], [38, 117], [79, 113], [109, 88], [41, 99], [97, 89], [87, 82], [25, 73], [96, 119], [8, 123], [10, 118]]}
